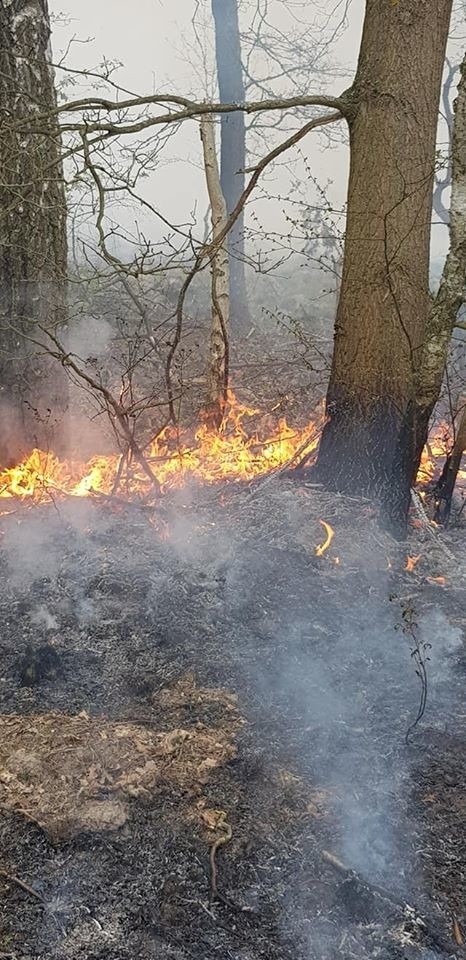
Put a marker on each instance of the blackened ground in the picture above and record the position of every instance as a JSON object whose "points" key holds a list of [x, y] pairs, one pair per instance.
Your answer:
{"points": [[227, 585]]}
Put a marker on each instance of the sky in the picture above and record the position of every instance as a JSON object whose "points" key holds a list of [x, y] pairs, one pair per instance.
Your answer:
{"points": [[155, 42]]}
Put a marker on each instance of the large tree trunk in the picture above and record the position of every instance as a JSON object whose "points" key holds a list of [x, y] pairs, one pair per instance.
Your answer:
{"points": [[32, 234], [370, 442], [233, 147]]}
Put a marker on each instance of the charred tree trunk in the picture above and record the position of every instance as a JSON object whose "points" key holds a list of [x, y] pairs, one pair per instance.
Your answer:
{"points": [[217, 373], [33, 387], [370, 442], [446, 484], [233, 147]]}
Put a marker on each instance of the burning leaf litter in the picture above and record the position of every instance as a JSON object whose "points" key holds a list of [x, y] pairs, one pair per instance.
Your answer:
{"points": [[232, 453], [235, 452]]}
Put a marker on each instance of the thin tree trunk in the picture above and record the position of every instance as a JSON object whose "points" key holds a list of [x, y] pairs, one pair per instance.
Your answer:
{"points": [[217, 375], [370, 441], [233, 147], [446, 484], [443, 178], [33, 387]]}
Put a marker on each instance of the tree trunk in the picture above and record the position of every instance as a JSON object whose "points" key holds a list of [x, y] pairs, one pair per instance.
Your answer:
{"points": [[217, 374], [443, 177], [32, 234], [370, 442], [446, 485], [450, 295], [233, 147]]}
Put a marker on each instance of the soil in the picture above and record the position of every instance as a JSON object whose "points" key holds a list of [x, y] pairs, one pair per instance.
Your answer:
{"points": [[268, 691]]}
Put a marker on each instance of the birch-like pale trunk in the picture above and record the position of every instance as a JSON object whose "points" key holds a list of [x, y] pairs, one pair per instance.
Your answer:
{"points": [[232, 149], [217, 372]]}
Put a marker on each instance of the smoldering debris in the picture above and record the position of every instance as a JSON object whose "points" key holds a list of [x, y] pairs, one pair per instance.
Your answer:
{"points": [[236, 595]]}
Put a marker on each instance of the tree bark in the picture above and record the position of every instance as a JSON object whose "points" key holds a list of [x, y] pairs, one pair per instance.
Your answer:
{"points": [[33, 249], [446, 485], [443, 178], [233, 147], [450, 295], [370, 442], [217, 373]]}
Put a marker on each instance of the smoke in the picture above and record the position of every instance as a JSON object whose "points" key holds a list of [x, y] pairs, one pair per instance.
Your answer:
{"points": [[324, 674]]}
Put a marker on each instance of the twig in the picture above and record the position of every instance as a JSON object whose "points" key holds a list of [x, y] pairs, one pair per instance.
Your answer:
{"points": [[20, 883], [219, 842], [422, 516], [285, 466]]}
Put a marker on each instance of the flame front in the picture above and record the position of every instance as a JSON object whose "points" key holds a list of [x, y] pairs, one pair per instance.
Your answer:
{"points": [[232, 453]]}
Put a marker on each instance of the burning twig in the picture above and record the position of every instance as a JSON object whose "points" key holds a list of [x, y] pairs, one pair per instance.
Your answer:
{"points": [[310, 441], [321, 548]]}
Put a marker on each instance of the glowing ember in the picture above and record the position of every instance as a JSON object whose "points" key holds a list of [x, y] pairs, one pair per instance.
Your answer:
{"points": [[411, 563], [229, 454], [440, 580], [330, 533]]}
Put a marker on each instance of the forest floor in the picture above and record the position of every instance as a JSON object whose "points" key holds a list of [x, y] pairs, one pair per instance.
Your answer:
{"points": [[195, 687]]}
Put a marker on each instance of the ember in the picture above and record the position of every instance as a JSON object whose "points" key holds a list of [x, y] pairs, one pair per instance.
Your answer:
{"points": [[323, 547]]}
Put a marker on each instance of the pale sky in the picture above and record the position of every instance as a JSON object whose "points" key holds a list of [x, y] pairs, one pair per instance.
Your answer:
{"points": [[155, 41]]}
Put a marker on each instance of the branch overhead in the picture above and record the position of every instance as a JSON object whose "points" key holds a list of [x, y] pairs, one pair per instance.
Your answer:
{"points": [[188, 110]]}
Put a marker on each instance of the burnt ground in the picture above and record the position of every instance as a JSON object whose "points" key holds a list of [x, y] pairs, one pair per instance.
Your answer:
{"points": [[156, 621]]}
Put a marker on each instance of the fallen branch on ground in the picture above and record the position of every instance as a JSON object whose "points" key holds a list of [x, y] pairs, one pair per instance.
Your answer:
{"points": [[21, 884], [219, 842], [362, 886]]}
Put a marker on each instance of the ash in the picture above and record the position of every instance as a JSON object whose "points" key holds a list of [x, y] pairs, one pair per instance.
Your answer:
{"points": [[117, 612]]}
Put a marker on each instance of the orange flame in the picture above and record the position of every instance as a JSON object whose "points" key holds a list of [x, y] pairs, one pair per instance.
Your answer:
{"points": [[411, 562], [330, 533], [435, 451], [440, 580], [236, 453], [232, 453]]}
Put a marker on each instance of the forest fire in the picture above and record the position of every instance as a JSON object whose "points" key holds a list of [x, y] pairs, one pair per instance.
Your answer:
{"points": [[233, 453]]}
